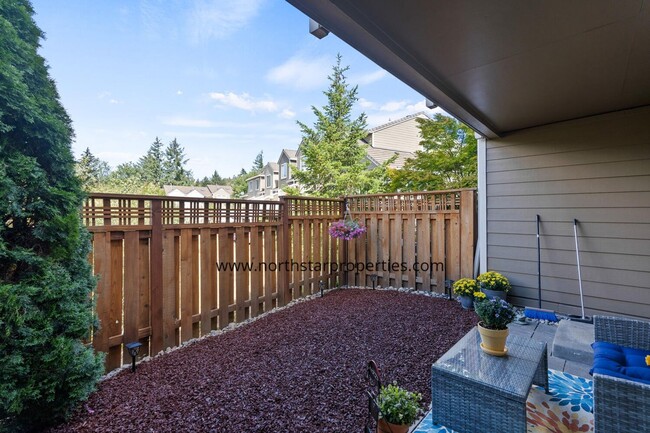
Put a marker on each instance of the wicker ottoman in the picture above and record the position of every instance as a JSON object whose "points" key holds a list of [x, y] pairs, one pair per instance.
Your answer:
{"points": [[476, 392]]}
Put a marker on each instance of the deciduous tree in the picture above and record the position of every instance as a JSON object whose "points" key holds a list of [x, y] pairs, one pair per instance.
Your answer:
{"points": [[447, 159]]}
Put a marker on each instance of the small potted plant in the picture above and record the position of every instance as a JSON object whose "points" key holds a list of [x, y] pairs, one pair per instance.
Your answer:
{"points": [[398, 409], [495, 315], [465, 288], [346, 229], [493, 284]]}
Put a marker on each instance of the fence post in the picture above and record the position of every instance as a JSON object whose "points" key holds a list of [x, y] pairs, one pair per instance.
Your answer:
{"points": [[283, 254], [156, 266], [467, 239]]}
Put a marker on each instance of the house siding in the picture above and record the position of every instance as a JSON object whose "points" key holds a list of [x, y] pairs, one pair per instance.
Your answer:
{"points": [[596, 170], [284, 160], [404, 136]]}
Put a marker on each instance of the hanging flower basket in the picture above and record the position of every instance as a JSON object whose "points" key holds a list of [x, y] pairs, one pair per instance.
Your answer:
{"points": [[347, 229]]}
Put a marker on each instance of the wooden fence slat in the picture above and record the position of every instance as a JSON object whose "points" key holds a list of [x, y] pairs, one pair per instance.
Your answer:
{"points": [[102, 268], [241, 277], [169, 290], [396, 249], [424, 250], [114, 323], [295, 257], [438, 245], [144, 284], [225, 277], [157, 293], [186, 275], [408, 236], [256, 275], [131, 290], [207, 265], [453, 253], [269, 275], [384, 251]]}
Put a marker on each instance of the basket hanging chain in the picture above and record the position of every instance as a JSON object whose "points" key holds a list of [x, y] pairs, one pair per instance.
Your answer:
{"points": [[347, 216]]}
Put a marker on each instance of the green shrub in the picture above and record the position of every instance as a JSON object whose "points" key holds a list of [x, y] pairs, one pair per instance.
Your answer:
{"points": [[45, 278], [397, 405]]}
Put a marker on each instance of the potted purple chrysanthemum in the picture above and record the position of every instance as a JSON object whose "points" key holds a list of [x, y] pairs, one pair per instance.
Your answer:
{"points": [[347, 229]]}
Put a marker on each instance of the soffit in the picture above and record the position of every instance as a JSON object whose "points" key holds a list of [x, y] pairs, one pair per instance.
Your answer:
{"points": [[504, 65]]}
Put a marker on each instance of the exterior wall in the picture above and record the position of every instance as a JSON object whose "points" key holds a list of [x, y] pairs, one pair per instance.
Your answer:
{"points": [[403, 136], [596, 170], [288, 180]]}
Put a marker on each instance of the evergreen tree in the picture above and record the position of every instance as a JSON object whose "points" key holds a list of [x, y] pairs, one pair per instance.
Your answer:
{"points": [[214, 179], [334, 156], [151, 165], [45, 277], [258, 163], [174, 171], [91, 170], [447, 160]]}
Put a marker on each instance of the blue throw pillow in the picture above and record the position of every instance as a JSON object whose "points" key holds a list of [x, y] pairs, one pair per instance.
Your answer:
{"points": [[619, 361]]}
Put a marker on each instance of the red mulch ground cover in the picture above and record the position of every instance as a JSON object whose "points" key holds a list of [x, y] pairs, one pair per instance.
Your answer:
{"points": [[299, 370]]}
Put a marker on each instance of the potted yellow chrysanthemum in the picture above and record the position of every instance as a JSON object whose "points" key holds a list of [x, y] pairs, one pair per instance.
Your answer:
{"points": [[494, 285]]}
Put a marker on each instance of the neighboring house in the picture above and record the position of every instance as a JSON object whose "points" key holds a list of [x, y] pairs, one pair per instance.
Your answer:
{"points": [[561, 99], [399, 138], [210, 191], [286, 160], [264, 186]]}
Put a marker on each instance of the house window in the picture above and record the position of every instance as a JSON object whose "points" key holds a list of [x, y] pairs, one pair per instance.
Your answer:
{"points": [[283, 171], [268, 181]]}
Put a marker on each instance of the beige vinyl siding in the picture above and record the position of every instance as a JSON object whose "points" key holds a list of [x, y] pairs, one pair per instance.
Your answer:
{"points": [[596, 170], [404, 136]]}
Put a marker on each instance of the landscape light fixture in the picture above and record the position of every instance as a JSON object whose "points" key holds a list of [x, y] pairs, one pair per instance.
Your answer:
{"points": [[448, 288], [133, 349], [373, 278], [321, 286], [317, 30]]}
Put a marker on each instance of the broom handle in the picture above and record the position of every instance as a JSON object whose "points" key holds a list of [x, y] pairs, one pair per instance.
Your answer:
{"points": [[575, 235], [539, 268]]}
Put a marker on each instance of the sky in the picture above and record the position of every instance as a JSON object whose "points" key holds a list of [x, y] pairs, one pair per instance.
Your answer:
{"points": [[226, 78]]}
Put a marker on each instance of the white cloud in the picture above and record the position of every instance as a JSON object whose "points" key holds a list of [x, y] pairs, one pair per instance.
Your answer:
{"points": [[394, 106], [287, 114], [302, 73], [179, 92], [245, 102], [218, 19], [364, 103], [369, 78], [113, 101], [394, 110]]}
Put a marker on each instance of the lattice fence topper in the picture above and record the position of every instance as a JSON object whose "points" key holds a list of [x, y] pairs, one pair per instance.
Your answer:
{"points": [[348, 228]]}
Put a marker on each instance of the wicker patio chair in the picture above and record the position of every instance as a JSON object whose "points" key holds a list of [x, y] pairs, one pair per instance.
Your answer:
{"points": [[620, 405]]}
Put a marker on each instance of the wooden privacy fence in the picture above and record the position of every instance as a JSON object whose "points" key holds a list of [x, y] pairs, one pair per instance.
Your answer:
{"points": [[416, 240], [174, 268]]}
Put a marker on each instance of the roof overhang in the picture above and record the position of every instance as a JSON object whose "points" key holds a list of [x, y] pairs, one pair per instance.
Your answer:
{"points": [[504, 65]]}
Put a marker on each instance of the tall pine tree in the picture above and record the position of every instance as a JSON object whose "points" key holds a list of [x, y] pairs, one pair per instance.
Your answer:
{"points": [[174, 171], [151, 165], [45, 277], [334, 156]]}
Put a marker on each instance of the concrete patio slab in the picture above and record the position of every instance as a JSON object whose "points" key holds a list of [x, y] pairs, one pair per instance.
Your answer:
{"points": [[573, 342]]}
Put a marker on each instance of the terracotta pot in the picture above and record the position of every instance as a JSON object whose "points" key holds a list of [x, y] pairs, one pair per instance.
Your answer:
{"points": [[386, 427], [493, 340]]}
